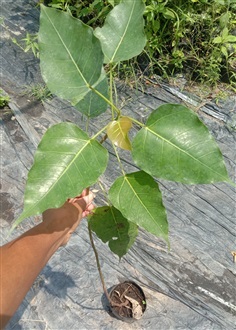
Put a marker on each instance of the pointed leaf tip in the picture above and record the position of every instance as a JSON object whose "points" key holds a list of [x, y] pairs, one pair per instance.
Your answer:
{"points": [[122, 36], [66, 162]]}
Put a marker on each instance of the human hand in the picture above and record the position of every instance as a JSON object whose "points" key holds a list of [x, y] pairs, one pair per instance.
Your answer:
{"points": [[84, 202]]}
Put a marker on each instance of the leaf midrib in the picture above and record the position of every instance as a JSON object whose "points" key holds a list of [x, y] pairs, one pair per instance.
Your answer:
{"points": [[135, 194], [114, 218], [52, 186], [123, 36], [66, 48], [185, 152]]}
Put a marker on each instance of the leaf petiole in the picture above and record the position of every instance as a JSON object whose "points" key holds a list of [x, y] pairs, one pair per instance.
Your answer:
{"points": [[105, 99], [118, 158], [98, 133], [136, 121], [111, 92]]}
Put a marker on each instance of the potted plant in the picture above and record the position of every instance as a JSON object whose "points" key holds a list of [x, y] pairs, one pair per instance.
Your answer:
{"points": [[173, 144]]}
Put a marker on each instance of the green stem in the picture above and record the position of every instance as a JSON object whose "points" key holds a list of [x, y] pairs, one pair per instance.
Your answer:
{"points": [[115, 92], [100, 270], [111, 91], [98, 263], [105, 99], [119, 161], [98, 133], [136, 121]]}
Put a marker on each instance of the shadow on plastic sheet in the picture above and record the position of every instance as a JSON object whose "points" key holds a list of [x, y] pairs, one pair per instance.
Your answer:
{"points": [[56, 283]]}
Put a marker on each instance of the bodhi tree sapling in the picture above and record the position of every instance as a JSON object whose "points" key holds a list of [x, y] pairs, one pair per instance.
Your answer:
{"points": [[173, 144]]}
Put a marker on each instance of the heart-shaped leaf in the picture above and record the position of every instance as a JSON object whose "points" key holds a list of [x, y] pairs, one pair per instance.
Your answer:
{"points": [[110, 226], [66, 162], [175, 145], [138, 198], [118, 130], [92, 104], [122, 36], [71, 58]]}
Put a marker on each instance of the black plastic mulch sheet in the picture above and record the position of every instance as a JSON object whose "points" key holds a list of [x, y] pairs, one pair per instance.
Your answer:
{"points": [[192, 286]]}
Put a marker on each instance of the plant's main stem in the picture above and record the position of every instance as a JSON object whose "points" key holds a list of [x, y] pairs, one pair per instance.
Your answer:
{"points": [[125, 303], [98, 263], [111, 92]]}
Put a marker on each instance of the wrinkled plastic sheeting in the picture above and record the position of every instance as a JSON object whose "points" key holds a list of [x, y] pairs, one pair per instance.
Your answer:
{"points": [[192, 286]]}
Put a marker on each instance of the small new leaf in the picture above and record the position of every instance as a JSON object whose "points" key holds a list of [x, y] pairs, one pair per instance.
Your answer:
{"points": [[118, 130]]}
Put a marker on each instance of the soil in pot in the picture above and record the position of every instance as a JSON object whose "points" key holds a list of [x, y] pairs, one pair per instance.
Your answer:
{"points": [[128, 302]]}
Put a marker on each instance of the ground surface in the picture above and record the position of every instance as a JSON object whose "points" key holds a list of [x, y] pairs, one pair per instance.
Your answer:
{"points": [[190, 287]]}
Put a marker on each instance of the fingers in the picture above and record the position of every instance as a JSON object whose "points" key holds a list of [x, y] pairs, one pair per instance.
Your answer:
{"points": [[88, 210], [83, 202]]}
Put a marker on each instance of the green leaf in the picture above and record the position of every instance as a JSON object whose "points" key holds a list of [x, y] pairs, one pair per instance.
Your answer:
{"points": [[112, 2], [110, 226], [66, 162], [71, 58], [225, 33], [92, 104], [169, 13], [224, 19], [175, 145], [230, 38], [224, 51], [122, 36], [217, 40], [138, 198], [118, 130]]}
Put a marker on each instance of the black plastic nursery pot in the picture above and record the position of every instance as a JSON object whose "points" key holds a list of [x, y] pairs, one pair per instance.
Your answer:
{"points": [[127, 301]]}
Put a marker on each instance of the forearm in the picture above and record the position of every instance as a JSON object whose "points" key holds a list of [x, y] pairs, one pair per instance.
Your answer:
{"points": [[23, 259]]}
